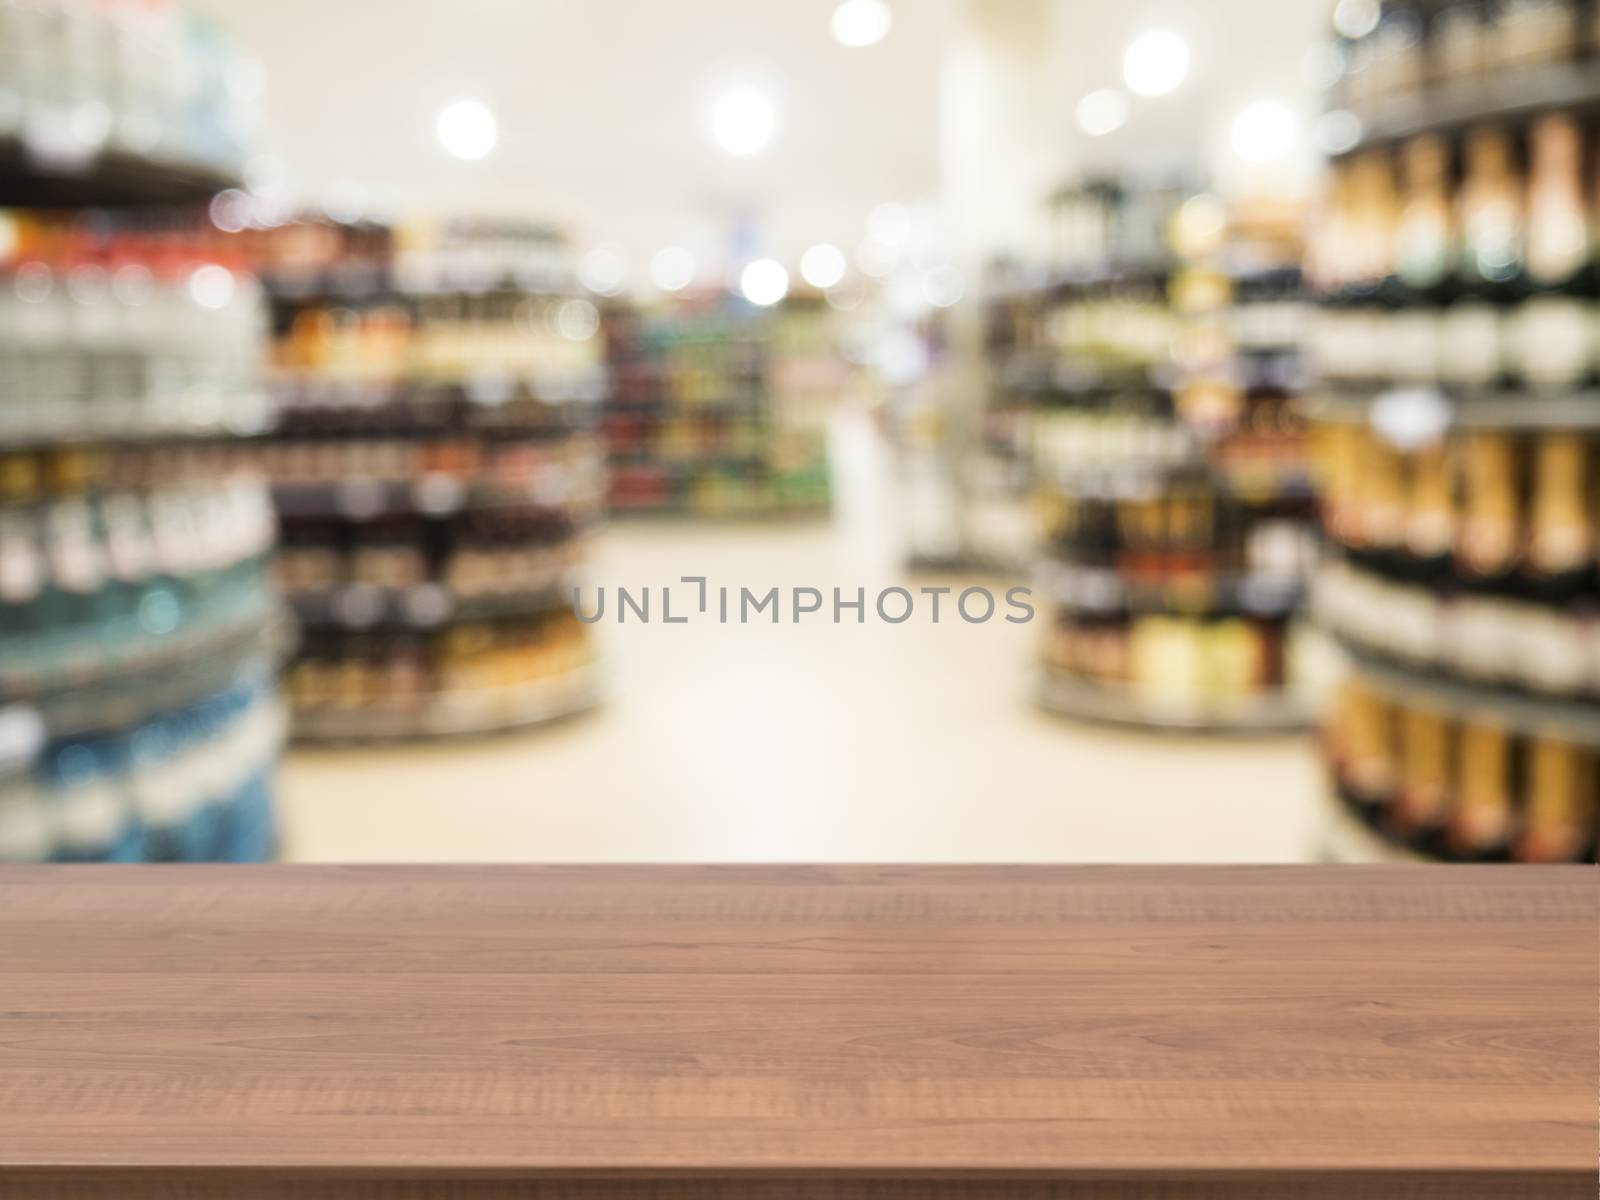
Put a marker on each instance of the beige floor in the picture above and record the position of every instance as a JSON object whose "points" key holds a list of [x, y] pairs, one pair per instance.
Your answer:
{"points": [[807, 742]]}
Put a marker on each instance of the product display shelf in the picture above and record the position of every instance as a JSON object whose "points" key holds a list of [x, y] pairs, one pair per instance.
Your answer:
{"points": [[432, 496], [1348, 839], [437, 475], [108, 180], [1509, 95], [1572, 719], [1458, 424], [1027, 369], [1173, 485], [421, 606], [1437, 409], [1267, 712], [120, 106], [132, 698], [1092, 589], [466, 713], [719, 410], [139, 636]]}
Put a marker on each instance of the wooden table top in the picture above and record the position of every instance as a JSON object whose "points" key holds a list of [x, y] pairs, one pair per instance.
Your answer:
{"points": [[1149, 1028]]}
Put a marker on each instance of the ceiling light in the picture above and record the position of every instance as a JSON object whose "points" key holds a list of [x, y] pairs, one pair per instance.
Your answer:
{"points": [[602, 271], [672, 269], [467, 129], [859, 23], [823, 265], [764, 282], [943, 286], [1264, 131], [1356, 18], [232, 211], [1102, 111], [1156, 63], [211, 286], [742, 120]]}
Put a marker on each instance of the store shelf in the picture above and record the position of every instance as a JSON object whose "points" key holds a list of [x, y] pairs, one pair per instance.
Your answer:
{"points": [[184, 670], [108, 180], [1488, 409], [1101, 589], [1403, 573], [378, 286], [479, 407], [1506, 94], [429, 496], [1029, 373], [1121, 705], [1153, 274], [1136, 480], [1348, 839], [457, 714], [131, 441], [1575, 720], [621, 509], [426, 606]]}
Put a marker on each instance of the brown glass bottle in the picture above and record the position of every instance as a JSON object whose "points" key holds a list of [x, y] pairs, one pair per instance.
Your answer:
{"points": [[1488, 539], [1480, 823], [1424, 801], [1551, 335], [1490, 216], [1560, 563], [1430, 514], [1373, 761], [1558, 822]]}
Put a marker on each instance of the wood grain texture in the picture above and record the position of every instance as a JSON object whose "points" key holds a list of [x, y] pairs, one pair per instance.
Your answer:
{"points": [[590, 1033]]}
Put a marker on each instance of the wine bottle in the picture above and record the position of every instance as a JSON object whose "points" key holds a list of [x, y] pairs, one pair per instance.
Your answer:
{"points": [[1458, 42], [1430, 516], [1419, 814], [1558, 824], [1488, 538], [1491, 215], [1480, 823], [1425, 234], [1551, 336], [1560, 560], [1373, 759]]}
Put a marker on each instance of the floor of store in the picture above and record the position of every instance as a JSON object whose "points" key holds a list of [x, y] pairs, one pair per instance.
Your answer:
{"points": [[809, 741]]}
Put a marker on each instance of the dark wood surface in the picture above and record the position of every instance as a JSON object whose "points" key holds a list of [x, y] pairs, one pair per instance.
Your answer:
{"points": [[662, 1033]]}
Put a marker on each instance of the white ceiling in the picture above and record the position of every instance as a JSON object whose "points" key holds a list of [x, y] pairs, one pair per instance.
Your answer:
{"points": [[603, 108], [603, 104]]}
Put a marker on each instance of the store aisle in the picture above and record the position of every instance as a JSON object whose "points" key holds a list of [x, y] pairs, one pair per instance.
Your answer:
{"points": [[814, 741]]}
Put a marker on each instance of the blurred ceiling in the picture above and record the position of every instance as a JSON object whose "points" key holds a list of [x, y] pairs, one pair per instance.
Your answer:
{"points": [[603, 110], [603, 105]]}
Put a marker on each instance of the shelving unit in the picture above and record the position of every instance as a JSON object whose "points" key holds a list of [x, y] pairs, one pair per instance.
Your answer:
{"points": [[109, 180], [1508, 94], [1171, 479], [1458, 422], [139, 638], [719, 409], [437, 475], [1154, 709], [1485, 408]]}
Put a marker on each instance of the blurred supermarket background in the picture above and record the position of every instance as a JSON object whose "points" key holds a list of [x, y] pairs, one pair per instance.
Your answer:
{"points": [[351, 355]]}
